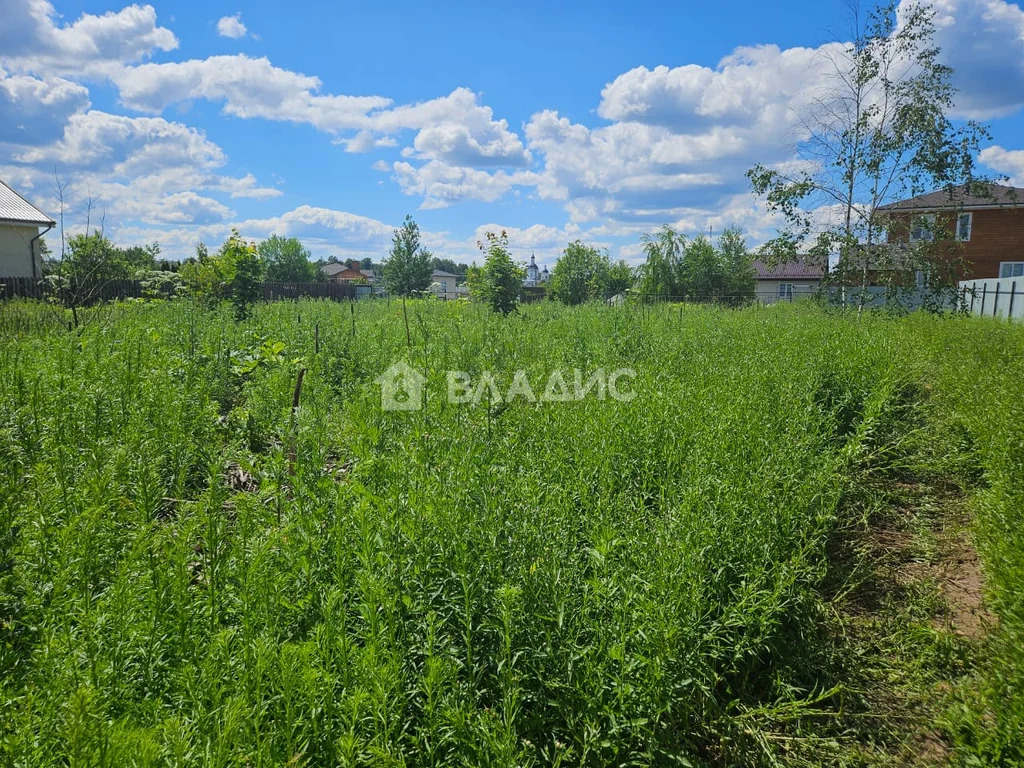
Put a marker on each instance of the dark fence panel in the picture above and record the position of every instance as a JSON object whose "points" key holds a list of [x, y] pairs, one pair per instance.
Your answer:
{"points": [[334, 291], [21, 287], [80, 293]]}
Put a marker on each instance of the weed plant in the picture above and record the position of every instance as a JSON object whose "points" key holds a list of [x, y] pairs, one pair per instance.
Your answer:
{"points": [[192, 574]]}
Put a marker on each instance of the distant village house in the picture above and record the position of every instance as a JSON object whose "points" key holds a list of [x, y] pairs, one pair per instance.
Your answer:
{"points": [[352, 272], [987, 222], [21, 227], [787, 282]]}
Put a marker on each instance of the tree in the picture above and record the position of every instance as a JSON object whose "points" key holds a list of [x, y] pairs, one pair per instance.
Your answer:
{"points": [[580, 274], [499, 282], [619, 278], [737, 264], [243, 271], [700, 274], [879, 133], [448, 265], [408, 267], [658, 276], [287, 261], [235, 272]]}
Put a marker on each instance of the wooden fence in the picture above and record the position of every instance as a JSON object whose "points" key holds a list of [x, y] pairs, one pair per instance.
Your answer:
{"points": [[333, 291], [88, 293], [108, 290]]}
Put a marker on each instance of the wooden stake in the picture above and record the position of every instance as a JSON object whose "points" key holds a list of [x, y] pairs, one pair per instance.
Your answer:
{"points": [[408, 336], [294, 426]]}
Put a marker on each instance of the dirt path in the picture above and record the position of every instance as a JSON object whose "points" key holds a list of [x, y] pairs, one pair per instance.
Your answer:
{"points": [[915, 619]]}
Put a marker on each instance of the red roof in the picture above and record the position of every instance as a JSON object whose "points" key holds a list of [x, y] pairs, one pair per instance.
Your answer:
{"points": [[793, 270]]}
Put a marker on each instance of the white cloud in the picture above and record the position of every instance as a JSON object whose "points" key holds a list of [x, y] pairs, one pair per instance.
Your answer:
{"points": [[324, 225], [36, 110], [755, 86], [138, 169], [1005, 161], [441, 184], [248, 87], [247, 187], [983, 41], [101, 142], [32, 40], [231, 26], [455, 129], [324, 231], [365, 141]]}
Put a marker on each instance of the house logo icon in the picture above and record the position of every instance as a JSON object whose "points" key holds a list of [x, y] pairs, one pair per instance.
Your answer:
{"points": [[401, 388]]}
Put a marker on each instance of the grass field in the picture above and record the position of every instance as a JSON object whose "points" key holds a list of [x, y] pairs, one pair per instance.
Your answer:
{"points": [[191, 574]]}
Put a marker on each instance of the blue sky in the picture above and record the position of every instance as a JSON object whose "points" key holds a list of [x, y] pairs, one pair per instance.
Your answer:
{"points": [[331, 121]]}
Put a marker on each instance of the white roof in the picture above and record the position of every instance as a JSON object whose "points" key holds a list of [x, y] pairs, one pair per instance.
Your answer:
{"points": [[14, 207]]}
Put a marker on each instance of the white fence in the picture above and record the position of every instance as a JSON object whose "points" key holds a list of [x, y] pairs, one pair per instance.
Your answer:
{"points": [[995, 297]]}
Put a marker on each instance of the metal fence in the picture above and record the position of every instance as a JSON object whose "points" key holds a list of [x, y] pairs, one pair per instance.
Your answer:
{"points": [[995, 297]]}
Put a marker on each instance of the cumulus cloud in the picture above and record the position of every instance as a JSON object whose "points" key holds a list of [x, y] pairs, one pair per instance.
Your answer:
{"points": [[754, 87], [1009, 162], [99, 141], [246, 186], [343, 229], [456, 128], [624, 167], [442, 185], [983, 41], [32, 40], [248, 87], [37, 110], [325, 231], [536, 236], [138, 169], [231, 26]]}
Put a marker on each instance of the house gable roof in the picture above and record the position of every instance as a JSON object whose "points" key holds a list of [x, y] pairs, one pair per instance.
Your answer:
{"points": [[801, 269], [978, 196], [442, 273], [15, 208]]}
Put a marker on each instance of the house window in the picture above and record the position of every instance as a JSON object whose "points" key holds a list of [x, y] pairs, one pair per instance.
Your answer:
{"points": [[1011, 269], [785, 290], [924, 228], [963, 227]]}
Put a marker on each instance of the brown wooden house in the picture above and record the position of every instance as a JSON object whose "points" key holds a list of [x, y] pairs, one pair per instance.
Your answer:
{"points": [[987, 225]]}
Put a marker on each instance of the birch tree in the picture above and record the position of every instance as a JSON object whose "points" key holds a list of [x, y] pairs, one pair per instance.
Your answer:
{"points": [[878, 131]]}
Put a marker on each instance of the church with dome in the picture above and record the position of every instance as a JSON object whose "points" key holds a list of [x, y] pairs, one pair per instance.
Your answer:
{"points": [[534, 275]]}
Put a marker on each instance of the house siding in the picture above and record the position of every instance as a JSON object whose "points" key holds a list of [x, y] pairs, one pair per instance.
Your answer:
{"points": [[15, 261], [768, 290], [996, 236]]}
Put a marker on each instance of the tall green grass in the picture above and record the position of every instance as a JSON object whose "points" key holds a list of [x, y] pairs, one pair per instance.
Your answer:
{"points": [[191, 575]]}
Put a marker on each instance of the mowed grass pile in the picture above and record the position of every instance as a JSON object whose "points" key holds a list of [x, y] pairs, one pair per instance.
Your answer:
{"points": [[189, 575]]}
